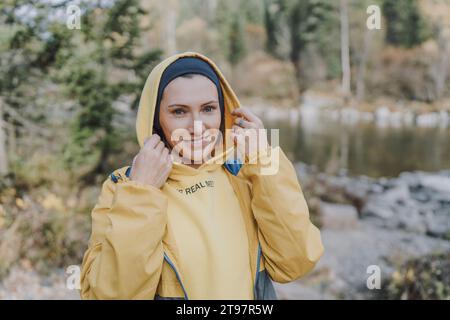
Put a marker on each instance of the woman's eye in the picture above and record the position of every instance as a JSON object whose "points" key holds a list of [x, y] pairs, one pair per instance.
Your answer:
{"points": [[178, 112], [209, 108]]}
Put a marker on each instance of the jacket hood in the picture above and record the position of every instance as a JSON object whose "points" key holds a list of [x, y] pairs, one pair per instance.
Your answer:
{"points": [[147, 102]]}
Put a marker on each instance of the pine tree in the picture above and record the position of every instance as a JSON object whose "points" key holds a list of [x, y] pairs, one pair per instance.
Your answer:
{"points": [[304, 19], [29, 50], [405, 25], [111, 41], [271, 24], [236, 40]]}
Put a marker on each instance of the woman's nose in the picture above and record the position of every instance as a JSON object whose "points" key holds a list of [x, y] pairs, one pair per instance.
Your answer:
{"points": [[196, 116], [197, 127]]}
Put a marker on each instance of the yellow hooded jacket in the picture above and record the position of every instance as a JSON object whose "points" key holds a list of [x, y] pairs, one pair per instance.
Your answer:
{"points": [[132, 253]]}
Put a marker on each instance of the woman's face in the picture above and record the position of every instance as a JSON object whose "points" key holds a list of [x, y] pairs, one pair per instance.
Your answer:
{"points": [[190, 116]]}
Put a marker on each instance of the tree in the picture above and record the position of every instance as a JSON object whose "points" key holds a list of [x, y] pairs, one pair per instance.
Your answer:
{"points": [[3, 156], [304, 20], [405, 25], [271, 24], [91, 70], [28, 52], [362, 65], [252, 10], [237, 40], [171, 13], [345, 49], [440, 69], [111, 43]]}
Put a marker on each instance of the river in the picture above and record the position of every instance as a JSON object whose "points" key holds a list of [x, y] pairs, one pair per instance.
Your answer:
{"points": [[363, 148]]}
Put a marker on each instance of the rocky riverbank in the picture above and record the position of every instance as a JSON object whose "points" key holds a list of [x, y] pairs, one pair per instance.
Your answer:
{"points": [[364, 222]]}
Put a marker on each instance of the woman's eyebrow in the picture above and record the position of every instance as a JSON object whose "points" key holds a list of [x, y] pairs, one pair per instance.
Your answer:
{"points": [[212, 101], [186, 106], [177, 105]]}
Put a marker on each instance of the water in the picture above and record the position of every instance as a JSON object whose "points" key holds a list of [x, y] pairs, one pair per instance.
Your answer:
{"points": [[364, 148]]}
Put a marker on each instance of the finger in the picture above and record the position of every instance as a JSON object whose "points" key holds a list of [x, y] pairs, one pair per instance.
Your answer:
{"points": [[152, 141], [244, 112], [165, 153], [241, 122], [168, 161], [160, 146], [146, 141], [236, 129]]}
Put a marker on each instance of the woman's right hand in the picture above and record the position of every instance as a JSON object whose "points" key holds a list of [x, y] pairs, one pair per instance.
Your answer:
{"points": [[153, 163]]}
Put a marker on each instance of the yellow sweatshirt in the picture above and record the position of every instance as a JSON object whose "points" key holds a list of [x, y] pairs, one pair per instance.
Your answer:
{"points": [[212, 232]]}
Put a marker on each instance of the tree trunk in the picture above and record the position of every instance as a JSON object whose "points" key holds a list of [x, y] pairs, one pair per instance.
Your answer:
{"points": [[171, 26], [344, 149], [362, 67], [443, 62], [345, 49], [211, 8], [3, 155], [299, 75]]}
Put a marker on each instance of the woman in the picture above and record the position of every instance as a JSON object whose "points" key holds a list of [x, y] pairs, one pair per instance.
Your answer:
{"points": [[205, 229]]}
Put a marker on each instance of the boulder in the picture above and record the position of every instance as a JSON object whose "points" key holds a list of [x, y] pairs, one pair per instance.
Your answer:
{"points": [[438, 224], [338, 216], [438, 183], [377, 209]]}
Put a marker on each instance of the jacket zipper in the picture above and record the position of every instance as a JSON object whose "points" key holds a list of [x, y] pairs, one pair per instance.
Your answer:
{"points": [[258, 257], [176, 273]]}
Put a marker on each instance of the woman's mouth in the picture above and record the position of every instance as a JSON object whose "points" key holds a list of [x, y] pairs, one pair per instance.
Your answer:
{"points": [[207, 139], [202, 142]]}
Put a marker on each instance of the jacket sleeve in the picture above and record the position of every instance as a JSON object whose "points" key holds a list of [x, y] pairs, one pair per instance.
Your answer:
{"points": [[125, 254], [290, 243]]}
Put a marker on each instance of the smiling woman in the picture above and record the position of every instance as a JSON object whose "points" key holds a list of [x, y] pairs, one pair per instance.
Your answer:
{"points": [[190, 103], [164, 229], [189, 100]]}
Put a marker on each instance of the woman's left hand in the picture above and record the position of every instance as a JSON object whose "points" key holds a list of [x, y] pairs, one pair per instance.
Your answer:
{"points": [[248, 124]]}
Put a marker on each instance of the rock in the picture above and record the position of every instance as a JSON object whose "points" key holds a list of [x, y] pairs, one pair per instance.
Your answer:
{"points": [[421, 194], [384, 205], [417, 202], [438, 183], [376, 188], [397, 195], [358, 189], [409, 219], [438, 225], [338, 216], [377, 209]]}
